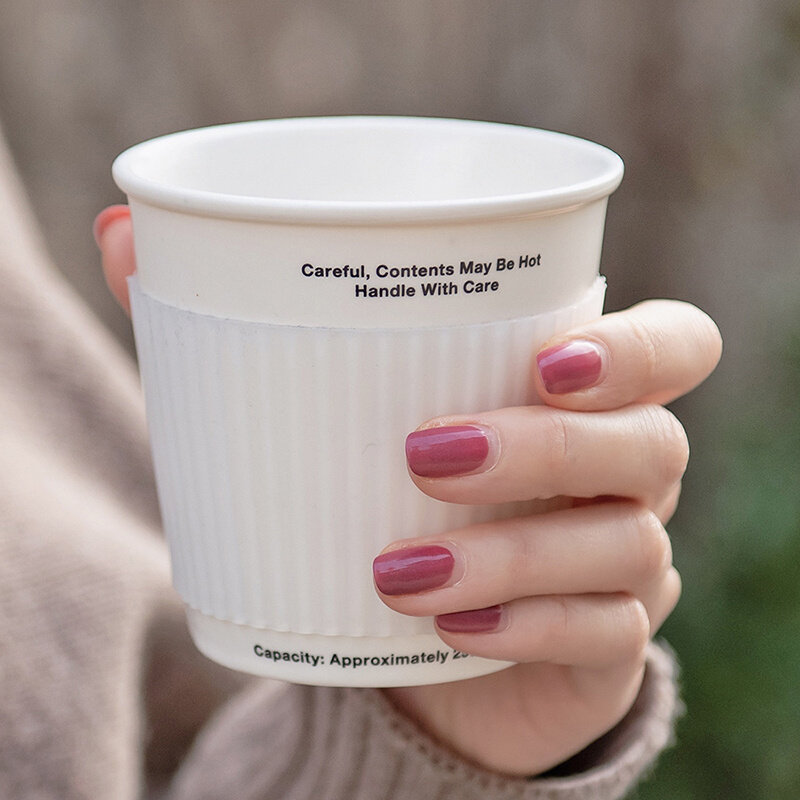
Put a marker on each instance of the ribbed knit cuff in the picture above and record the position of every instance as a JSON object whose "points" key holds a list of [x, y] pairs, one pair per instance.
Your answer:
{"points": [[279, 742]]}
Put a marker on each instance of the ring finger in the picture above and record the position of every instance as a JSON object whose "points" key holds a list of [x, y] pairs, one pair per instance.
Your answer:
{"points": [[599, 549]]}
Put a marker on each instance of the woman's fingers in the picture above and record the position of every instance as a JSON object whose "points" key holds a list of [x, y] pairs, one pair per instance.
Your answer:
{"points": [[607, 548], [581, 630], [585, 587], [576, 630], [114, 236], [525, 453], [653, 352]]}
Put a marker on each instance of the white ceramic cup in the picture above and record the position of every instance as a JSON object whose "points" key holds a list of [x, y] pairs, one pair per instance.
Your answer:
{"points": [[309, 291]]}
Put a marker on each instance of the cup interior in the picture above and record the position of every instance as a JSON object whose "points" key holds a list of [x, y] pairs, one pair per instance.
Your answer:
{"points": [[379, 162]]}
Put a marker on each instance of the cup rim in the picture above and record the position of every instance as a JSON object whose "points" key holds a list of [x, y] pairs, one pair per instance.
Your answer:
{"points": [[131, 178]]}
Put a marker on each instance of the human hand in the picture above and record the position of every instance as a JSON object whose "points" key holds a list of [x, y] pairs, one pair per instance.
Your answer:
{"points": [[575, 594]]}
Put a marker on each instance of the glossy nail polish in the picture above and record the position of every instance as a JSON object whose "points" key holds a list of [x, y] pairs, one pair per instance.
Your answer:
{"points": [[570, 367], [447, 451], [413, 569], [481, 620]]}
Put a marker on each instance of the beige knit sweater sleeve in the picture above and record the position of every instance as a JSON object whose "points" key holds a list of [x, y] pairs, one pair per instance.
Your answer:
{"points": [[101, 694]]}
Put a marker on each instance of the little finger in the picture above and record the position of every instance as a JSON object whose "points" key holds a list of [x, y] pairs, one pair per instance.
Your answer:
{"points": [[594, 631]]}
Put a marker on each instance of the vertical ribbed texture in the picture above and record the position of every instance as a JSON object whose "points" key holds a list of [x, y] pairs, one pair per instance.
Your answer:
{"points": [[279, 452]]}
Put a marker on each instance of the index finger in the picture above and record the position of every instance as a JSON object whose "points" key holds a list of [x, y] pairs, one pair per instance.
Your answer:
{"points": [[653, 352]]}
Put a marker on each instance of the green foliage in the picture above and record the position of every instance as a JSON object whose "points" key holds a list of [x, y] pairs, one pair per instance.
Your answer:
{"points": [[737, 628]]}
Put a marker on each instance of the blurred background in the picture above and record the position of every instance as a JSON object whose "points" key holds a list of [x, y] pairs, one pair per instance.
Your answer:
{"points": [[702, 100]]}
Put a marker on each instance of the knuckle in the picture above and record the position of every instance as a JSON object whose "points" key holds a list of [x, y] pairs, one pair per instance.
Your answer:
{"points": [[522, 557], [655, 547], [556, 633], [674, 588], [664, 599], [671, 450], [648, 346], [677, 450], [635, 627], [558, 453], [669, 504], [709, 339]]}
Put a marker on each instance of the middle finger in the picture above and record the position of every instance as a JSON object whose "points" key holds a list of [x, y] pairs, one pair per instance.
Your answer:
{"points": [[639, 452]]}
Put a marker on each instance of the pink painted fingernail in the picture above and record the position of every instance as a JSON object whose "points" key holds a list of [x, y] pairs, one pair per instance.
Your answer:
{"points": [[106, 217], [482, 620], [570, 367], [413, 569], [447, 451]]}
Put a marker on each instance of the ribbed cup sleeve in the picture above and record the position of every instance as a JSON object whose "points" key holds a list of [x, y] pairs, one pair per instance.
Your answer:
{"points": [[279, 452]]}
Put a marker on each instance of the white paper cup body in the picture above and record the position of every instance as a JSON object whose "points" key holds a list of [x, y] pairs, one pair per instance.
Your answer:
{"points": [[308, 293]]}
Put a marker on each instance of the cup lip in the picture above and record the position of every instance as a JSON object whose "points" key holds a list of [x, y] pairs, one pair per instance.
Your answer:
{"points": [[129, 178]]}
